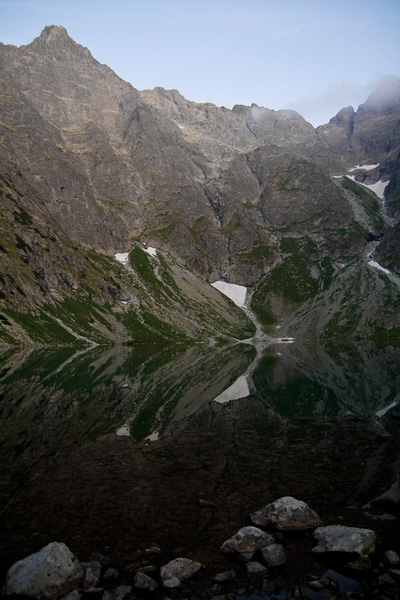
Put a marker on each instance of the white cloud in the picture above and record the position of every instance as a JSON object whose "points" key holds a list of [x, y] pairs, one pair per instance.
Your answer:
{"points": [[325, 104]]}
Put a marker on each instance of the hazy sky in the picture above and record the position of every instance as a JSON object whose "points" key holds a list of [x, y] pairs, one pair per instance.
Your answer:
{"points": [[314, 56]]}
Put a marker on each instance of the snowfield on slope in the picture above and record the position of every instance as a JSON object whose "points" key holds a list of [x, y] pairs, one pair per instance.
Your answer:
{"points": [[373, 263], [378, 188], [123, 257], [237, 293], [364, 168]]}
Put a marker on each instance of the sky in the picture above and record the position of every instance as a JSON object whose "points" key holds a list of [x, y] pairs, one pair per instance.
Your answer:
{"points": [[313, 56]]}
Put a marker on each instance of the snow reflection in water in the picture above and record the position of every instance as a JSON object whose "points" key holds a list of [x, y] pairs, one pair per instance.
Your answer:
{"points": [[240, 389]]}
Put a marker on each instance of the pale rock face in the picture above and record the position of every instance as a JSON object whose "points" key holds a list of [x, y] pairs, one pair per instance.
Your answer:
{"points": [[49, 574], [338, 538], [287, 513]]}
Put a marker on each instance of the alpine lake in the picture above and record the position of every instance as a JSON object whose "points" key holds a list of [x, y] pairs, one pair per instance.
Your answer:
{"points": [[115, 450]]}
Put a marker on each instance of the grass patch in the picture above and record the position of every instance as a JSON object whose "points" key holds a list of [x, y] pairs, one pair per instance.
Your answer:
{"points": [[284, 184], [41, 328], [258, 252], [292, 280]]}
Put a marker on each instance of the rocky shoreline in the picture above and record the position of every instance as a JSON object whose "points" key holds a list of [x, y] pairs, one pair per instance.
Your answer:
{"points": [[255, 556]]}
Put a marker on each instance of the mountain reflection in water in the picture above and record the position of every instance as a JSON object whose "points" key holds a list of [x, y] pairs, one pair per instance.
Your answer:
{"points": [[321, 424]]}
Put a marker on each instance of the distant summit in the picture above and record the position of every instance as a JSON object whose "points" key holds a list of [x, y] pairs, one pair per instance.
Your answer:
{"points": [[54, 39]]}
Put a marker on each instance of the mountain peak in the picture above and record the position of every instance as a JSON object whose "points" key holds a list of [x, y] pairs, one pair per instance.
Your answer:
{"points": [[55, 39], [53, 32]]}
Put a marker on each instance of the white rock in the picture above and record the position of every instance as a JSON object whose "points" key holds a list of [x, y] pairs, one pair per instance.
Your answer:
{"points": [[181, 568], [48, 574], [338, 538], [247, 539], [287, 513]]}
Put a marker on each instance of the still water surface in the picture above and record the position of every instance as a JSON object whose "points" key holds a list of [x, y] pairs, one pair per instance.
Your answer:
{"points": [[111, 450]]}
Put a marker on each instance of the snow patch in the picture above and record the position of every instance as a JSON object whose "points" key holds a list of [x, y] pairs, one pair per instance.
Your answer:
{"points": [[151, 251], [373, 263], [122, 257], [364, 168], [239, 389], [123, 431], [153, 437], [378, 188], [237, 293]]}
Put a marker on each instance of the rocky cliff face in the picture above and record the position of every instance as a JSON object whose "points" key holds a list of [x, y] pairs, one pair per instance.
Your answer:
{"points": [[89, 164]]}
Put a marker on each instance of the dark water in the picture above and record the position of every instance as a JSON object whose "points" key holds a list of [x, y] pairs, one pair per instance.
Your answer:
{"points": [[321, 424]]}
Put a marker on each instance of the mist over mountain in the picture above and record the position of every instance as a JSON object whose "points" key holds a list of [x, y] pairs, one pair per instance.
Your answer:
{"points": [[91, 167]]}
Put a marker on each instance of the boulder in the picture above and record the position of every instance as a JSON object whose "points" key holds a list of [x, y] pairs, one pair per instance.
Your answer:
{"points": [[225, 577], [273, 555], [247, 540], [48, 574], [144, 582], [111, 574], [180, 568], [286, 513], [338, 538], [92, 574], [392, 558], [244, 557], [171, 583], [386, 580], [255, 569]]}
